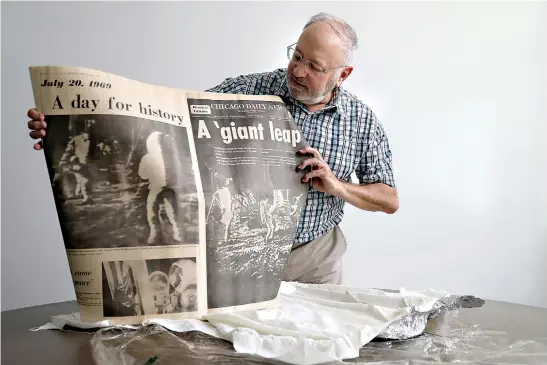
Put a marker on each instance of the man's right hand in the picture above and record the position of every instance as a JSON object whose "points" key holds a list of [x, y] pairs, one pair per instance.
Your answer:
{"points": [[37, 126]]}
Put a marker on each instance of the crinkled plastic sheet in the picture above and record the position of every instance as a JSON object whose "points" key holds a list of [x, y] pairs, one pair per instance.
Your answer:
{"points": [[446, 340]]}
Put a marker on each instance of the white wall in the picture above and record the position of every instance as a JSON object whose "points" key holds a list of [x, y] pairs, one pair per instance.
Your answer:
{"points": [[460, 88]]}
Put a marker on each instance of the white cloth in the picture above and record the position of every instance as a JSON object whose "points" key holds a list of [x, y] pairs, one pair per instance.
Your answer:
{"points": [[312, 324]]}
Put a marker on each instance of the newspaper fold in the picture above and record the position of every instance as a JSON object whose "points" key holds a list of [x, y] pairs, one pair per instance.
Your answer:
{"points": [[172, 203]]}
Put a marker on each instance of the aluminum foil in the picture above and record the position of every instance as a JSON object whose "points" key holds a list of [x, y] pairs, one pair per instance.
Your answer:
{"points": [[416, 322]]}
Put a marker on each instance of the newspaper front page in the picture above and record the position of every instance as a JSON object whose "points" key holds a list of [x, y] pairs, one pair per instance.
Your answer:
{"points": [[172, 203]]}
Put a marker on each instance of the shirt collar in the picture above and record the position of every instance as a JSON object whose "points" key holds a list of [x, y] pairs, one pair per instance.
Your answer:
{"points": [[337, 101]]}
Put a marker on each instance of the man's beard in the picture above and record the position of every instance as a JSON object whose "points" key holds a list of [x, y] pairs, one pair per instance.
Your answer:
{"points": [[307, 96]]}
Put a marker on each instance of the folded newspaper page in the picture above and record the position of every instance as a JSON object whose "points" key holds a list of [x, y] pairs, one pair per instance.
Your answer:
{"points": [[172, 203]]}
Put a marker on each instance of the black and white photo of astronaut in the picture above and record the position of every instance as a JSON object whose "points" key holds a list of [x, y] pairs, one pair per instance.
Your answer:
{"points": [[253, 199], [121, 181], [149, 287]]}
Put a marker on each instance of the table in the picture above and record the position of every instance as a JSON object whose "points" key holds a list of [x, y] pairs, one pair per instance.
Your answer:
{"points": [[22, 346]]}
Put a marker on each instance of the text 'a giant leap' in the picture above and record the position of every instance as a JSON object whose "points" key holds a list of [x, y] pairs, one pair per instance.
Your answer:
{"points": [[234, 132]]}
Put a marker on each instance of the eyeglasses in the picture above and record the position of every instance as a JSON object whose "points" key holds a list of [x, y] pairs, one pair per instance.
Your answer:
{"points": [[296, 57]]}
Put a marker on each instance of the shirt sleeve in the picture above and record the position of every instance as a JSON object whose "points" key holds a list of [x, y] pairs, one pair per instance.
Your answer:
{"points": [[375, 165], [232, 85], [262, 83]]}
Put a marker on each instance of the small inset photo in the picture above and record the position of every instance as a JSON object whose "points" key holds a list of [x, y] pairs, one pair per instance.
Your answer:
{"points": [[149, 287]]}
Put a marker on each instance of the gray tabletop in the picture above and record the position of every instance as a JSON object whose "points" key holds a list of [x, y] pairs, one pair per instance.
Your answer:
{"points": [[22, 346]]}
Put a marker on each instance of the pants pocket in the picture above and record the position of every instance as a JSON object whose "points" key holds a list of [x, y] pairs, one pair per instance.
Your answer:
{"points": [[342, 238]]}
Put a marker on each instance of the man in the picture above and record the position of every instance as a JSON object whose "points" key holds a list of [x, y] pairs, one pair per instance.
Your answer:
{"points": [[222, 197], [344, 137], [74, 161], [152, 167]]}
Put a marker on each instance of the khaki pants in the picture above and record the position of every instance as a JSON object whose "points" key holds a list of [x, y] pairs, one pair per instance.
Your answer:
{"points": [[318, 261]]}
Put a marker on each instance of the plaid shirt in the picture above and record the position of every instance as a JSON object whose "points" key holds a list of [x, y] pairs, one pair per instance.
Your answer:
{"points": [[347, 135]]}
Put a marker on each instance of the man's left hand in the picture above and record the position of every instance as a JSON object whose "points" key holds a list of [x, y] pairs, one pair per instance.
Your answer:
{"points": [[322, 178]]}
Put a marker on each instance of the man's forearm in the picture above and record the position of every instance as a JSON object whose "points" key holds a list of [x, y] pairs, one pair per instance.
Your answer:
{"points": [[372, 197]]}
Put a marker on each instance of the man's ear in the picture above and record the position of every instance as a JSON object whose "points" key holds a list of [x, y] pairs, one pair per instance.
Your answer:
{"points": [[344, 75]]}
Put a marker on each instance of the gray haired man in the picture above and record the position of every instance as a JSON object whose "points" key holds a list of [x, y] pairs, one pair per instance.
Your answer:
{"points": [[345, 137]]}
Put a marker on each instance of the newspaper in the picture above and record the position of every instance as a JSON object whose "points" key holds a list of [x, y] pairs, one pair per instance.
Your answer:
{"points": [[172, 203]]}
